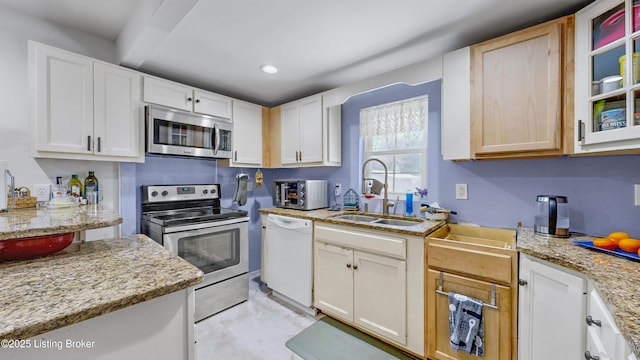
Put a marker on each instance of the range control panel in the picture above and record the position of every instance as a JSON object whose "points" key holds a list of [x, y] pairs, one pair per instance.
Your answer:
{"points": [[163, 193]]}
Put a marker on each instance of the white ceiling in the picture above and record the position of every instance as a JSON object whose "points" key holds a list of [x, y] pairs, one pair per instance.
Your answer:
{"points": [[317, 45]]}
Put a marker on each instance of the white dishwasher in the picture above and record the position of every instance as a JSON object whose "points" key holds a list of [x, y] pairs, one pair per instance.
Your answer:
{"points": [[290, 260]]}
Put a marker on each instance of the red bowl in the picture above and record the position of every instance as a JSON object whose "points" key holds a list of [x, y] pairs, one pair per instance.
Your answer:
{"points": [[28, 248]]}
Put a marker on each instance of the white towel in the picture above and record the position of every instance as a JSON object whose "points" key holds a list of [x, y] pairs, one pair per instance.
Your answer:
{"points": [[465, 324]]}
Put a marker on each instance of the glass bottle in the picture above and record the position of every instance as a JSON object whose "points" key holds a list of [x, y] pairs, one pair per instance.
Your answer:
{"points": [[91, 186], [75, 186]]}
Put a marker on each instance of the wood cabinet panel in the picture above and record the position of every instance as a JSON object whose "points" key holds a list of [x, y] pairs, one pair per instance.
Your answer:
{"points": [[497, 323], [517, 92]]}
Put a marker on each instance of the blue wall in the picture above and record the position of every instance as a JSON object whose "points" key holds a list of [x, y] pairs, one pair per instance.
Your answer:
{"points": [[501, 192]]}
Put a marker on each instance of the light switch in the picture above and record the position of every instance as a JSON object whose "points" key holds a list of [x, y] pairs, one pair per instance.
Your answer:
{"points": [[461, 192]]}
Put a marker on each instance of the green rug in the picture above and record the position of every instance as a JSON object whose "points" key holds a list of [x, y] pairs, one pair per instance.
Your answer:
{"points": [[329, 339]]}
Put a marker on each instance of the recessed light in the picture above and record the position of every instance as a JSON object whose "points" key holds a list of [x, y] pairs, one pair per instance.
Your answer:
{"points": [[269, 69]]}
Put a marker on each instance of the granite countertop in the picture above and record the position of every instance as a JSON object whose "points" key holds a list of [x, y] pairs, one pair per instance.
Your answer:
{"points": [[86, 280], [421, 228], [22, 223], [616, 279]]}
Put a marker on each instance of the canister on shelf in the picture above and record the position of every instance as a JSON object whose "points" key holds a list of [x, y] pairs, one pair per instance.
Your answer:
{"points": [[635, 67]]}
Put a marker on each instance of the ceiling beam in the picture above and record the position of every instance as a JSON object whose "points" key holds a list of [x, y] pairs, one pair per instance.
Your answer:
{"points": [[148, 25]]}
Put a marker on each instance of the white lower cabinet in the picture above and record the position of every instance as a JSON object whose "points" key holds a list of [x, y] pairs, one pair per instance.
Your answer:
{"points": [[604, 340], [362, 278], [551, 311]]}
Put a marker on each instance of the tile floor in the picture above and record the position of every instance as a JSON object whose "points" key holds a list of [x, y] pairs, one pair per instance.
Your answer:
{"points": [[254, 330]]}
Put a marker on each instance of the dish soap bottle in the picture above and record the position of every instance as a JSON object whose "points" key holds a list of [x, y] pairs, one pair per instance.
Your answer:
{"points": [[409, 203], [91, 186], [75, 186]]}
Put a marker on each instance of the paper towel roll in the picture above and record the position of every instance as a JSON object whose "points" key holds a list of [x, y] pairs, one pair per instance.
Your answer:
{"points": [[3, 184]]}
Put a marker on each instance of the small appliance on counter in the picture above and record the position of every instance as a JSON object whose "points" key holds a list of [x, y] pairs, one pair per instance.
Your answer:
{"points": [[300, 194], [552, 216]]}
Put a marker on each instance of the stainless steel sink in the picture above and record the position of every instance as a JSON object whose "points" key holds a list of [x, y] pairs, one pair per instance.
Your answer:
{"points": [[354, 217], [395, 222]]}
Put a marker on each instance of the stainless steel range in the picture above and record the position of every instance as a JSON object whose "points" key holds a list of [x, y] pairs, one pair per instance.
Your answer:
{"points": [[189, 222]]}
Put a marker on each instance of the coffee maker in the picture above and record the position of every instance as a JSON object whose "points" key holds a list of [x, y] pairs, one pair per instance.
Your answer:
{"points": [[552, 216]]}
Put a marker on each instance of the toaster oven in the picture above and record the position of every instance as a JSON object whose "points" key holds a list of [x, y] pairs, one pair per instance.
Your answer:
{"points": [[300, 194]]}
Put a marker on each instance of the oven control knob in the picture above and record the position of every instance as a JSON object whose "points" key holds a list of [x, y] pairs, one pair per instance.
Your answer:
{"points": [[205, 191], [154, 193], [165, 193], [213, 191]]}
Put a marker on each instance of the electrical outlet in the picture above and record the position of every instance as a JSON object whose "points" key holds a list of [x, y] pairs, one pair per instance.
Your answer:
{"points": [[461, 192], [636, 189], [42, 192]]}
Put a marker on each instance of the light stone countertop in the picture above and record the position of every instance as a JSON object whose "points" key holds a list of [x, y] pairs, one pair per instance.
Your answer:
{"points": [[616, 279], [22, 223], [86, 280], [421, 228]]}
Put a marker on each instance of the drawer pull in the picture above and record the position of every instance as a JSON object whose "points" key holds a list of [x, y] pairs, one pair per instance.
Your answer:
{"points": [[590, 321], [588, 356]]}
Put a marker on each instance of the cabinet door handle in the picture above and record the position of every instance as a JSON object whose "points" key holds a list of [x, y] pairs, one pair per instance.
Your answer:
{"points": [[235, 155], [522, 282], [588, 356], [300, 155], [348, 266], [580, 130], [99, 144], [590, 321], [355, 267], [197, 101], [189, 99], [297, 156], [88, 142]]}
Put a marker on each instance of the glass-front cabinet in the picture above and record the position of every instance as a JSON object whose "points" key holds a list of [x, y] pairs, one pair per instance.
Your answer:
{"points": [[607, 76]]}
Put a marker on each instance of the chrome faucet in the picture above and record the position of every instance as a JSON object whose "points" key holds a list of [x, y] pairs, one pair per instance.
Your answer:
{"points": [[385, 200]]}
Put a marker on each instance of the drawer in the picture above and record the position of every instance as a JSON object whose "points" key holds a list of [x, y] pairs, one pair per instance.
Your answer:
{"points": [[373, 241], [474, 261], [613, 343]]}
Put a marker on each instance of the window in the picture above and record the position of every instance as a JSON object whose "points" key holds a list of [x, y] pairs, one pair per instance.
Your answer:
{"points": [[396, 134]]}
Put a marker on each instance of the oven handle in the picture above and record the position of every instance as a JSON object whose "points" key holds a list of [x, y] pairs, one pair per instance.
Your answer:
{"points": [[211, 226]]}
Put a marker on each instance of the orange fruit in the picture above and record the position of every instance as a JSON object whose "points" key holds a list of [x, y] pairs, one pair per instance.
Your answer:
{"points": [[618, 235], [629, 245], [604, 243]]}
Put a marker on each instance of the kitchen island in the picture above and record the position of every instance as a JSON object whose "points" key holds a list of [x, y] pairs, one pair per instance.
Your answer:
{"points": [[616, 279], [125, 298]]}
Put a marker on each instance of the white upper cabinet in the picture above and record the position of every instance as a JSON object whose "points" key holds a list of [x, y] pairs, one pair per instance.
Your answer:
{"points": [[247, 134], [183, 97], [607, 82], [456, 105], [310, 135], [301, 126], [83, 109]]}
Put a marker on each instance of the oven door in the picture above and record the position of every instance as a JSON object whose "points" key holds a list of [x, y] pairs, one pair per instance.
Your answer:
{"points": [[220, 250]]}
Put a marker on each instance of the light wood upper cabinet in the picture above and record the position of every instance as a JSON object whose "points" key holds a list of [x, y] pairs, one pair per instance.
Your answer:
{"points": [[519, 92]]}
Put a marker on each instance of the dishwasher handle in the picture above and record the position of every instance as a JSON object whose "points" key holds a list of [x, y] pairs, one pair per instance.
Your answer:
{"points": [[289, 223]]}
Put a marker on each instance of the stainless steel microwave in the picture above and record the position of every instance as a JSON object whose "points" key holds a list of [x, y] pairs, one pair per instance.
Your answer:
{"points": [[300, 194], [176, 132]]}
